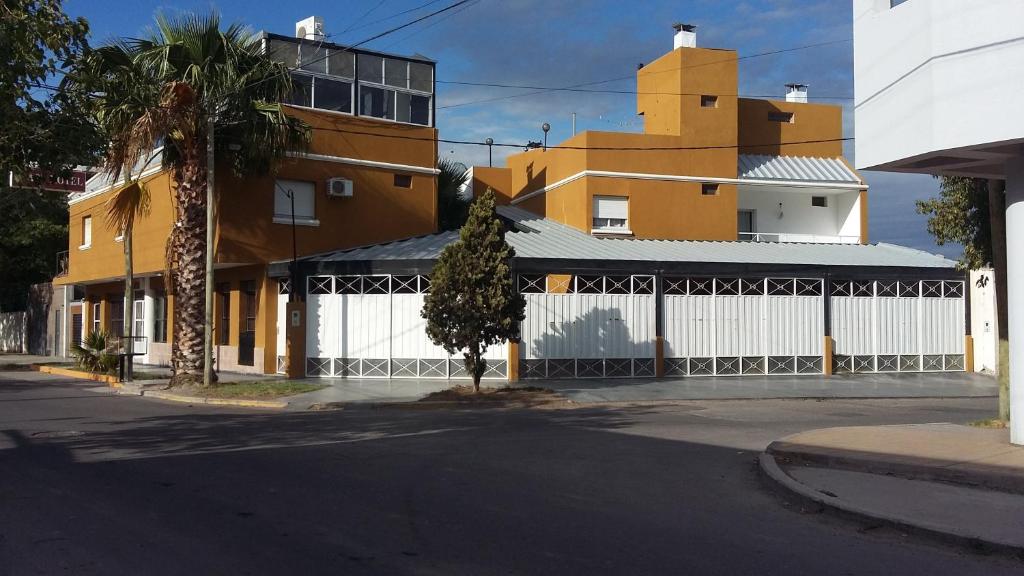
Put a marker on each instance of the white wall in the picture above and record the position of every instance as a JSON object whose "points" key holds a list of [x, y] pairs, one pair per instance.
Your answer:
{"points": [[984, 320], [840, 217], [933, 75]]}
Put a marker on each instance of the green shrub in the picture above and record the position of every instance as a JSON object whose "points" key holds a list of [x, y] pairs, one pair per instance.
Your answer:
{"points": [[95, 354]]}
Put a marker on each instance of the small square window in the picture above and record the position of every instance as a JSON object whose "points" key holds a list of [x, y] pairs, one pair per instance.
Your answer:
{"points": [[301, 195], [709, 101], [786, 117], [403, 181], [819, 201], [709, 189]]}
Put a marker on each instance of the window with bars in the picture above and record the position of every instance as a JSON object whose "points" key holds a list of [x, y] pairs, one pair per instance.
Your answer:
{"points": [[223, 290], [160, 317]]}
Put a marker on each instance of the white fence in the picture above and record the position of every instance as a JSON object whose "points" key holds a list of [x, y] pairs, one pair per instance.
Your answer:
{"points": [[587, 326], [13, 336], [370, 327], [896, 326], [740, 326]]}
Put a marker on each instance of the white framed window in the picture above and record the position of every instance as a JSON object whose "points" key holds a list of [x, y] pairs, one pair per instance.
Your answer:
{"points": [[86, 232], [97, 321], [611, 214], [304, 202]]}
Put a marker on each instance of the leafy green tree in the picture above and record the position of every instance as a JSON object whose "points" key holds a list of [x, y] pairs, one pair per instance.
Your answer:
{"points": [[452, 208], [972, 213], [169, 88], [42, 133], [472, 302]]}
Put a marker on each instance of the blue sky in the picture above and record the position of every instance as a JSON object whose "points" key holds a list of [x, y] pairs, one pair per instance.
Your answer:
{"points": [[565, 42]]}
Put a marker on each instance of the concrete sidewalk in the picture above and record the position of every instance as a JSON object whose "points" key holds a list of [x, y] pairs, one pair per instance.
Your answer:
{"points": [[958, 482]]}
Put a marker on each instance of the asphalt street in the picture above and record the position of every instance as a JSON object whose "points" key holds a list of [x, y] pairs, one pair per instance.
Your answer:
{"points": [[92, 483]]}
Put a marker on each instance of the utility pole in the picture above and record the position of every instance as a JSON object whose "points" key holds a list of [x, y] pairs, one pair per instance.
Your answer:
{"points": [[208, 322], [573, 123]]}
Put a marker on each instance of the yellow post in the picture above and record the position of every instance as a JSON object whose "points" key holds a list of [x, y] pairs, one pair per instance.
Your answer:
{"points": [[969, 353], [827, 358], [295, 359], [513, 361]]}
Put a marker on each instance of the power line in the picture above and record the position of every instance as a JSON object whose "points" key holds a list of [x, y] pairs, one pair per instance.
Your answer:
{"points": [[607, 91], [432, 24], [392, 17], [620, 78], [563, 147], [365, 14]]}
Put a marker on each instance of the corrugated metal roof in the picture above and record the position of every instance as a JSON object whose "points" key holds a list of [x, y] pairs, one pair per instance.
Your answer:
{"points": [[147, 162], [538, 237], [799, 168]]}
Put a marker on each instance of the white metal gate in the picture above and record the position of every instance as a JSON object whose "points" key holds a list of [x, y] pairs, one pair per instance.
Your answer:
{"points": [[898, 326], [587, 326], [743, 326], [370, 327]]}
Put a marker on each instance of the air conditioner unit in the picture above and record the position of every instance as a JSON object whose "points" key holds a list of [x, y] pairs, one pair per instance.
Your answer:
{"points": [[339, 187]]}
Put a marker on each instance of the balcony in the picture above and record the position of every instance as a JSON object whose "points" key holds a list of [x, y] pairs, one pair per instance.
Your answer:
{"points": [[791, 237], [62, 264]]}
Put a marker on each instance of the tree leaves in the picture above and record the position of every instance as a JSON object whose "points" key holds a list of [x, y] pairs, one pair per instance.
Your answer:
{"points": [[961, 215]]}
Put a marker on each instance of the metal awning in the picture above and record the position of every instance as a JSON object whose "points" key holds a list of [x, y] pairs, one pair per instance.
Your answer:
{"points": [[796, 169]]}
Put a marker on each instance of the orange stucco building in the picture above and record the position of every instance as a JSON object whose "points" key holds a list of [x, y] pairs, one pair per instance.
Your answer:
{"points": [[709, 165], [355, 185]]}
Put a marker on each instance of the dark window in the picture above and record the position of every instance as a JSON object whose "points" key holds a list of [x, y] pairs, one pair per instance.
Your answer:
{"points": [[302, 90], [403, 181], [224, 320], [819, 201], [333, 95], [786, 117], [247, 336], [116, 303], [709, 101], [160, 317], [376, 102], [371, 68], [249, 291], [709, 189], [396, 73], [421, 77]]}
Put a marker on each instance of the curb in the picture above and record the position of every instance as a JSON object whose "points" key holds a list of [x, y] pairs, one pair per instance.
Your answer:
{"points": [[1002, 482], [771, 468], [111, 381], [162, 395]]}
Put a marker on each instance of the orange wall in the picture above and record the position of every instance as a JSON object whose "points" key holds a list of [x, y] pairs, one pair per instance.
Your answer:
{"points": [[378, 211], [759, 135], [497, 179]]}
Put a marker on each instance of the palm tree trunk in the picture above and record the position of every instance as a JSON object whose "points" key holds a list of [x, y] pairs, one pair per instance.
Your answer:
{"points": [[188, 268]]}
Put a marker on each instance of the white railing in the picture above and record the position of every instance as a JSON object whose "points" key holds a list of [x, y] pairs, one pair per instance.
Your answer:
{"points": [[791, 237]]}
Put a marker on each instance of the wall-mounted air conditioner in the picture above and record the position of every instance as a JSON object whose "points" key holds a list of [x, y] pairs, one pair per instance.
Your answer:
{"points": [[339, 187]]}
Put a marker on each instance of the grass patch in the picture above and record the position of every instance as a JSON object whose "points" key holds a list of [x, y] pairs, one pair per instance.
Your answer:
{"points": [[136, 375], [259, 389], [989, 423]]}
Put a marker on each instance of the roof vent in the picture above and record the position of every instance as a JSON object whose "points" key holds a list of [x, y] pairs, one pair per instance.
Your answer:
{"points": [[686, 35], [311, 28], [796, 93]]}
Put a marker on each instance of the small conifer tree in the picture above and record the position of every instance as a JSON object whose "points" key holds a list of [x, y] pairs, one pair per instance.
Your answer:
{"points": [[472, 302]]}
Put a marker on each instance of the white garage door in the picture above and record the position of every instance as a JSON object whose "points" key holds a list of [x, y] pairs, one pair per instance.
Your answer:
{"points": [[741, 326], [370, 327], [587, 326], [898, 326]]}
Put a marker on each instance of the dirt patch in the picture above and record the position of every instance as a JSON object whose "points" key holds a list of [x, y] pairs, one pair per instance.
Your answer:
{"points": [[509, 397], [992, 423]]}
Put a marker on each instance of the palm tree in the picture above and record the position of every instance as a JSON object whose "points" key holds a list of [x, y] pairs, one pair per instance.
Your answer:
{"points": [[452, 208], [168, 89]]}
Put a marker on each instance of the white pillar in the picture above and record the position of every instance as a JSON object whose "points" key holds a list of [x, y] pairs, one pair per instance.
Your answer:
{"points": [[149, 317], [1015, 292]]}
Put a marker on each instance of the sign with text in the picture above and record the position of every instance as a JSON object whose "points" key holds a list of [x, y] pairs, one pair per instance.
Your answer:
{"points": [[74, 181]]}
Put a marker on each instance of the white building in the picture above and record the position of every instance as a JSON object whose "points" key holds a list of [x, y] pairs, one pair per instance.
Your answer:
{"points": [[937, 90]]}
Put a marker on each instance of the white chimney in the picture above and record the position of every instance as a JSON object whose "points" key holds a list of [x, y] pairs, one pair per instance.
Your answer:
{"points": [[796, 93], [686, 36], [311, 28]]}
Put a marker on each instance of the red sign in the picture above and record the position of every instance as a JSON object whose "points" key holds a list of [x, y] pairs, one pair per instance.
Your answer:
{"points": [[73, 182]]}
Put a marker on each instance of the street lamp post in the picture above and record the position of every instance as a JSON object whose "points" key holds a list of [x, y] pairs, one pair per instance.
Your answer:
{"points": [[545, 127], [490, 157]]}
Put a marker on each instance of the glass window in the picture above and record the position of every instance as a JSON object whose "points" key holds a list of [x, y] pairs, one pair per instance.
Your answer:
{"points": [[396, 73], [313, 57], [419, 110], [611, 213], [305, 199], [377, 102], [286, 53], [421, 77], [116, 303], [160, 317], [97, 319], [302, 90], [224, 318], [341, 63], [785, 117], [709, 189], [709, 101], [403, 181], [371, 68], [87, 231], [333, 95], [819, 201]]}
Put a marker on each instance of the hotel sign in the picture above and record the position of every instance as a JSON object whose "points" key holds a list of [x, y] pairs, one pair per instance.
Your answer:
{"points": [[73, 182]]}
